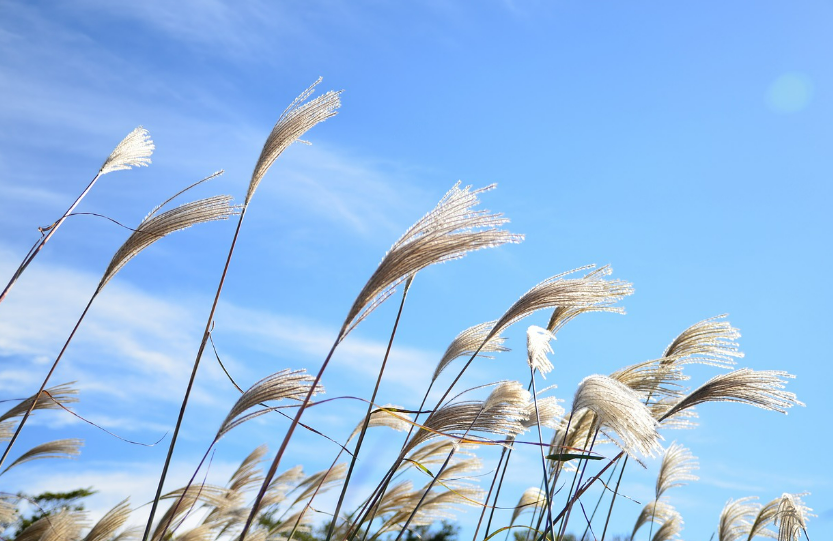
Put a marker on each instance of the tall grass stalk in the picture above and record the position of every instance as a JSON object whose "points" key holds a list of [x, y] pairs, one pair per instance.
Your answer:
{"points": [[291, 125], [133, 150], [369, 408], [152, 228]]}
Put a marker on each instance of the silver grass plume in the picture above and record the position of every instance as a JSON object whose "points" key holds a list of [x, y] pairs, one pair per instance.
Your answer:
{"points": [[503, 413], [467, 343], [670, 529], [453, 476], [537, 347], [133, 151], [326, 479], [186, 498], [6, 430], [681, 420], [765, 516], [711, 342], [549, 413], [291, 384], [434, 453], [60, 395], [557, 291], [67, 448], [383, 417], [531, 498], [735, 519], [300, 116], [62, 526], [154, 227], [248, 475], [245, 477], [564, 314], [654, 511], [279, 487], [757, 388], [8, 511], [203, 532], [395, 498], [129, 534], [106, 528], [677, 465], [452, 229], [791, 517], [578, 430], [620, 410], [653, 379]]}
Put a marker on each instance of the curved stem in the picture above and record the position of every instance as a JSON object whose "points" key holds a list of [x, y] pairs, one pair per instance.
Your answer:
{"points": [[369, 411], [206, 334], [51, 231], [46, 379]]}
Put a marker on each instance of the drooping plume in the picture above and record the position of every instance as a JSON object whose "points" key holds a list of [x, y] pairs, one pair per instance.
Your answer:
{"points": [[711, 342], [735, 519], [67, 448], [677, 465], [51, 398], [619, 409], [561, 315], [531, 498], [114, 519], [154, 227], [448, 232], [760, 388], [291, 384], [467, 343], [791, 517], [558, 291], [299, 117]]}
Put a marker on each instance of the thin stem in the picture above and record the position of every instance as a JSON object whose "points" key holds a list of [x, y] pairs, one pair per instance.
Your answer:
{"points": [[206, 334], [598, 503], [488, 496], [276, 462], [46, 379], [541, 448], [369, 411], [613, 499], [583, 469], [49, 232]]}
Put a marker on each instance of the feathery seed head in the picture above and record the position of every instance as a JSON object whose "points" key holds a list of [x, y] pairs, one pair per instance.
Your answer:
{"points": [[382, 417], [760, 388], [619, 409], [791, 517], [154, 227], [656, 511], [300, 116], [51, 398], [133, 151], [557, 291], [110, 522], [549, 413], [448, 232], [531, 498], [711, 342], [735, 519], [67, 448], [677, 465], [467, 343], [291, 384], [537, 347], [561, 315]]}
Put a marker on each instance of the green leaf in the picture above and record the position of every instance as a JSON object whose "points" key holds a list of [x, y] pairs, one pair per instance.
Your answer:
{"points": [[564, 457]]}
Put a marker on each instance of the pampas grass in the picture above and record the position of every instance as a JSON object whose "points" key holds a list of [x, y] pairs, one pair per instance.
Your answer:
{"points": [[440, 461]]}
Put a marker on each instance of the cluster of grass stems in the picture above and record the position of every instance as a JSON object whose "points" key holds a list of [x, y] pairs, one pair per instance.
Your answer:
{"points": [[624, 410]]}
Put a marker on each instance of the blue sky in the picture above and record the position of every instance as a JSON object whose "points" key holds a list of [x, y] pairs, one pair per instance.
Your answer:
{"points": [[686, 144]]}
